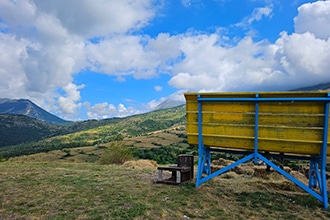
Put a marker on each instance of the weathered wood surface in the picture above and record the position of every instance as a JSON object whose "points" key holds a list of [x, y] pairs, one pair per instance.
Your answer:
{"points": [[181, 172], [284, 127]]}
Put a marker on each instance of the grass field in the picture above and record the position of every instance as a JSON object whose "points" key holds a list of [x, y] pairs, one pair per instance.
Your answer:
{"points": [[70, 190], [72, 184]]}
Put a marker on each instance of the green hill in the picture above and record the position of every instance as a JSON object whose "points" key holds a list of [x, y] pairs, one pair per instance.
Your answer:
{"points": [[16, 129], [91, 132]]}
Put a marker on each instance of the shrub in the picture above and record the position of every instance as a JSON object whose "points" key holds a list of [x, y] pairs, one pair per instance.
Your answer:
{"points": [[2, 158], [117, 153], [162, 155]]}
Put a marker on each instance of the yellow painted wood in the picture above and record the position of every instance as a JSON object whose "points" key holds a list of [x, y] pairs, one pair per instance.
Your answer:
{"points": [[225, 107], [288, 107], [269, 145], [233, 118], [270, 107], [308, 134], [286, 127], [295, 120]]}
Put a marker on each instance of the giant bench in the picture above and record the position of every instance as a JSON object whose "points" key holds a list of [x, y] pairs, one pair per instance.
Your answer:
{"points": [[259, 126]]}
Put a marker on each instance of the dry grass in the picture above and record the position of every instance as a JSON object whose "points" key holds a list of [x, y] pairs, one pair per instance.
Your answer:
{"points": [[56, 185], [92, 153], [162, 138], [140, 164], [76, 155], [53, 190]]}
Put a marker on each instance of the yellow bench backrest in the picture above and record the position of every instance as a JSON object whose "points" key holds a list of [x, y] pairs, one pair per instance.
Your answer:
{"points": [[284, 127]]}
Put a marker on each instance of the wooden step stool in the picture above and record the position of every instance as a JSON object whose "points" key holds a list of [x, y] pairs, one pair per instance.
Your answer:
{"points": [[181, 172]]}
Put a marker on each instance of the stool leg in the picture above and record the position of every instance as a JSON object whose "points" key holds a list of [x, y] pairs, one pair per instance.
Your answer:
{"points": [[178, 177], [160, 175]]}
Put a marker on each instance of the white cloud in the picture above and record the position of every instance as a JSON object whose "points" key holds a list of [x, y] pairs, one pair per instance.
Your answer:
{"points": [[44, 43], [139, 56], [158, 88], [21, 20], [90, 18], [210, 66], [195, 81], [296, 60], [105, 110], [257, 15], [12, 74], [314, 18], [101, 110], [154, 103], [119, 55], [304, 57], [178, 96], [68, 103]]}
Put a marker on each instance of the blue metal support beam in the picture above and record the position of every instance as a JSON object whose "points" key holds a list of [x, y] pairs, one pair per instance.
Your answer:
{"points": [[200, 145], [256, 99], [323, 184], [256, 129]]}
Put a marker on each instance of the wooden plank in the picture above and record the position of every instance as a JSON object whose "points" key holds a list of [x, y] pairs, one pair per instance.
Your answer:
{"points": [[224, 107], [271, 145], [293, 119], [292, 107], [266, 107], [283, 132], [283, 119], [212, 129], [222, 117]]}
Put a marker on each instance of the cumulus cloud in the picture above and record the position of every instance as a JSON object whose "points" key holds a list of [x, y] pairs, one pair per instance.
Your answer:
{"points": [[68, 103], [106, 110], [314, 18], [43, 44], [140, 56], [90, 18], [208, 65], [296, 60], [11, 72]]}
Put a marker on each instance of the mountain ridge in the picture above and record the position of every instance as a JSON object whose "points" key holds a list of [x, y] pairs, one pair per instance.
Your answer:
{"points": [[39, 129], [17, 129], [86, 133], [28, 108]]}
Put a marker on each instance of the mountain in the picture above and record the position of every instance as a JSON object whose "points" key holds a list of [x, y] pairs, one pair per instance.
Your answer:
{"points": [[21, 135], [19, 129], [322, 86], [168, 103], [16, 129], [28, 108]]}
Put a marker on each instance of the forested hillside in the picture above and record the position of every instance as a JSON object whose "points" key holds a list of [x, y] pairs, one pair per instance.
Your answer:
{"points": [[83, 133], [16, 129]]}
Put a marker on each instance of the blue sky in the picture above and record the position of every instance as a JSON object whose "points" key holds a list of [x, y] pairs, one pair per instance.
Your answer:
{"points": [[94, 59]]}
